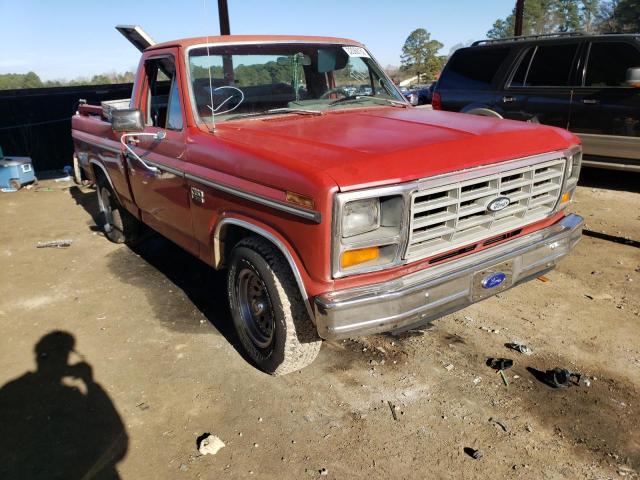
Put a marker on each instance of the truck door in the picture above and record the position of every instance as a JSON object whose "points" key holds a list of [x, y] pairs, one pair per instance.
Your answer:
{"points": [[157, 178], [540, 90], [606, 111]]}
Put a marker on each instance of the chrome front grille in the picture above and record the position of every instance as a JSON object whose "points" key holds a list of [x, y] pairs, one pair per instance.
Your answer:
{"points": [[447, 217]]}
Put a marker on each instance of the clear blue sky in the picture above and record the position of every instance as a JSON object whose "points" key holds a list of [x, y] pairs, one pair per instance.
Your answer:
{"points": [[70, 38]]}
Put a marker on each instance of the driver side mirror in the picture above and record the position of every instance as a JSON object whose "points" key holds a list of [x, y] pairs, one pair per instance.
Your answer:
{"points": [[127, 120], [633, 77]]}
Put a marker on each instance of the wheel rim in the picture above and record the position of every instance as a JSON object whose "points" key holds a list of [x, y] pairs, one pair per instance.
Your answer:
{"points": [[105, 208], [256, 312]]}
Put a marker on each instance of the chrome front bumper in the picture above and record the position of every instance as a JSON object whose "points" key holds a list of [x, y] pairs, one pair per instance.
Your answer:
{"points": [[436, 291]]}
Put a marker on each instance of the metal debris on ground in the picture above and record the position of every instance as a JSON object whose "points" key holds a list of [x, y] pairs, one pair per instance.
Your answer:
{"points": [[476, 454], [599, 296], [499, 363], [562, 378], [55, 244], [544, 279], [448, 367], [519, 347], [393, 410], [499, 423], [210, 445]]}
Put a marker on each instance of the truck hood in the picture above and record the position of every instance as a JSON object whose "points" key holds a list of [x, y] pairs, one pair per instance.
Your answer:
{"points": [[362, 148]]}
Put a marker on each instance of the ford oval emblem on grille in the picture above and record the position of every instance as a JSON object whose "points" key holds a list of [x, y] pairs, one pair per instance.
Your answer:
{"points": [[493, 280], [498, 204]]}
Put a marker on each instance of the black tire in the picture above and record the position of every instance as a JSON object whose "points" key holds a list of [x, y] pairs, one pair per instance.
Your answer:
{"points": [[15, 184], [269, 314], [118, 225]]}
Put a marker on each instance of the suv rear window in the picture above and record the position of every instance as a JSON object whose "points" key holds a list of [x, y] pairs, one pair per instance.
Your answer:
{"points": [[473, 68], [549, 67], [608, 63]]}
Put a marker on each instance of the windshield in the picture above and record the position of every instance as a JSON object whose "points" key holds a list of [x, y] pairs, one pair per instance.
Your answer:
{"points": [[243, 80]]}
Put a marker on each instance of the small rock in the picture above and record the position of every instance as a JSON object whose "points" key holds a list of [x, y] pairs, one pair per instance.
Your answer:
{"points": [[448, 367], [183, 467], [477, 380], [259, 419], [210, 445], [255, 445], [323, 471]]}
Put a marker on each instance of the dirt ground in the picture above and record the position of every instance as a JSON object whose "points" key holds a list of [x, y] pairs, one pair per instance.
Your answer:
{"points": [[153, 364]]}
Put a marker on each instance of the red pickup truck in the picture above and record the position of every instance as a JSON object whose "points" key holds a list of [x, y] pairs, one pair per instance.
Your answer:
{"points": [[336, 207]]}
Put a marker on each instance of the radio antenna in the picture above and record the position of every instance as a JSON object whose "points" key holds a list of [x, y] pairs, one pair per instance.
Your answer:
{"points": [[213, 111]]}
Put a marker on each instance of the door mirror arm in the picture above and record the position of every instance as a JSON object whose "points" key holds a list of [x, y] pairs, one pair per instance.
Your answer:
{"points": [[159, 135]]}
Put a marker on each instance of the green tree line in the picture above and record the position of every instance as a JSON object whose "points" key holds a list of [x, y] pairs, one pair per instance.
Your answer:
{"points": [[9, 81], [590, 16]]}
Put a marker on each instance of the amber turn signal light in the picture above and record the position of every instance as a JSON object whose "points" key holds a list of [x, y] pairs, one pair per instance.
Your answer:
{"points": [[361, 255], [300, 200], [566, 196]]}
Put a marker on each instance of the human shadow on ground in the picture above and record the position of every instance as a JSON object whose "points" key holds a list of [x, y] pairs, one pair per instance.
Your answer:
{"points": [[57, 422]]}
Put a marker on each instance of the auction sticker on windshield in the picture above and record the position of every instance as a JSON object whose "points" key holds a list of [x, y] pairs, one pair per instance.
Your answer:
{"points": [[356, 52]]}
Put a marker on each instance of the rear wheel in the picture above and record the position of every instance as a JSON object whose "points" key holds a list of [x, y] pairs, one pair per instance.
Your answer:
{"points": [[268, 311], [119, 225]]}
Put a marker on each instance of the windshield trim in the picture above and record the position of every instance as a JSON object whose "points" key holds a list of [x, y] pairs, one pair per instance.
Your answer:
{"points": [[187, 70]]}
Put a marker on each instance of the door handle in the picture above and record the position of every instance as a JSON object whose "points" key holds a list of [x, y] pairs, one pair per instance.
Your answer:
{"points": [[508, 99], [590, 101]]}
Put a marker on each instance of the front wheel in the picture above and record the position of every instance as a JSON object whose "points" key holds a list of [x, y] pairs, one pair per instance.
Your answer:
{"points": [[268, 311]]}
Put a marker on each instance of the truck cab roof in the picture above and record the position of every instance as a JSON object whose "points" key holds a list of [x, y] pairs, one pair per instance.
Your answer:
{"points": [[228, 39]]}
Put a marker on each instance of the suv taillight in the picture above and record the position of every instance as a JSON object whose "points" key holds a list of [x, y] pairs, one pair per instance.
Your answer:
{"points": [[436, 101]]}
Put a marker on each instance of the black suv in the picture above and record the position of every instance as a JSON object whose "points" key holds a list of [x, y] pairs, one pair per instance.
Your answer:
{"points": [[588, 84]]}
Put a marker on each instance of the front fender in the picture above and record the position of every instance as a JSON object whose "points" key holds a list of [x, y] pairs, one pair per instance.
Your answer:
{"points": [[251, 224]]}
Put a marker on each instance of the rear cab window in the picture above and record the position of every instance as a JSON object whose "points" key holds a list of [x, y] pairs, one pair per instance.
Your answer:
{"points": [[473, 68]]}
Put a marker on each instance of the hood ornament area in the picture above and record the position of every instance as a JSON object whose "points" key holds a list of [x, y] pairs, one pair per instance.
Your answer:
{"points": [[498, 204]]}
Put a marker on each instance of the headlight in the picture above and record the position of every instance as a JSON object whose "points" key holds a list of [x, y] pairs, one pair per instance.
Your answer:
{"points": [[360, 216], [368, 231]]}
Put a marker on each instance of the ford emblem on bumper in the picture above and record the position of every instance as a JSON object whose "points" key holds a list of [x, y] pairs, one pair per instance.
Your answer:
{"points": [[498, 204], [493, 280]]}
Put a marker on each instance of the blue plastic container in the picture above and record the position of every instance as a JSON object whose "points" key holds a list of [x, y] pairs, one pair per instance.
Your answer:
{"points": [[16, 172]]}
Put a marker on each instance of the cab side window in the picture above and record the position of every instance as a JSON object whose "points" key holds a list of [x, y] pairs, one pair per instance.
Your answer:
{"points": [[164, 109], [608, 63]]}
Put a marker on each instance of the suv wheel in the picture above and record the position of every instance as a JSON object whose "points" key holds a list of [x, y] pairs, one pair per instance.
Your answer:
{"points": [[269, 314]]}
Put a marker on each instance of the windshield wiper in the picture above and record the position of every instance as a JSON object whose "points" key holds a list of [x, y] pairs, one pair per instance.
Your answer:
{"points": [[360, 98], [275, 111]]}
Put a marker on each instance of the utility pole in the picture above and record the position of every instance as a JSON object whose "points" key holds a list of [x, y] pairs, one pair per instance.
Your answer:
{"points": [[223, 14], [519, 17]]}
